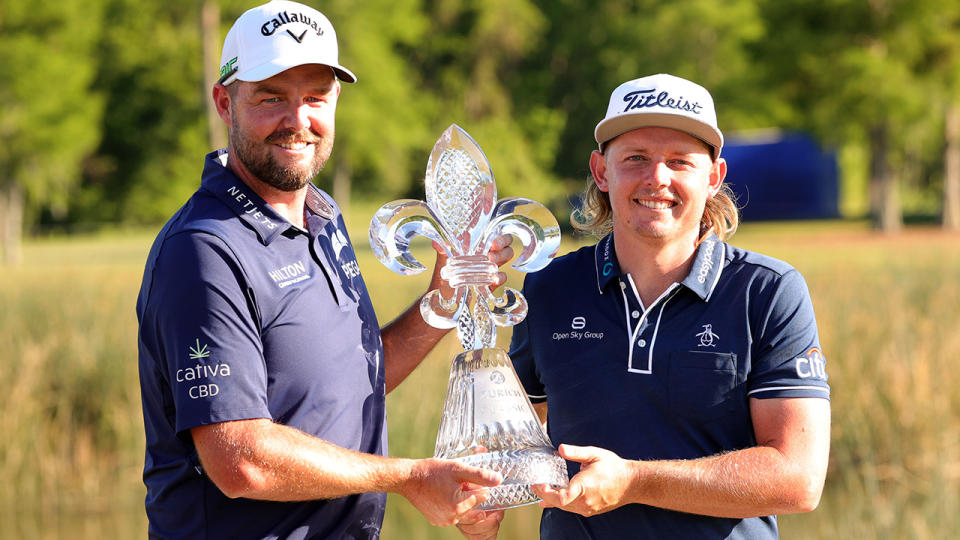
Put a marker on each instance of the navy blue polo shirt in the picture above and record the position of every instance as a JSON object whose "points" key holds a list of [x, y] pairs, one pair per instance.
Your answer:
{"points": [[244, 315], [667, 381]]}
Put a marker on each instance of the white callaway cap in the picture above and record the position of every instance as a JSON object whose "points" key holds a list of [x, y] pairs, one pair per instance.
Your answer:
{"points": [[661, 101], [275, 37]]}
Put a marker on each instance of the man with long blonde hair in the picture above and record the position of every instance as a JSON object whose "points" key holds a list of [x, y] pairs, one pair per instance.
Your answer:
{"points": [[684, 377]]}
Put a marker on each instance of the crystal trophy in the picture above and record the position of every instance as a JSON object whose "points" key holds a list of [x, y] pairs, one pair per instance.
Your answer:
{"points": [[487, 420]]}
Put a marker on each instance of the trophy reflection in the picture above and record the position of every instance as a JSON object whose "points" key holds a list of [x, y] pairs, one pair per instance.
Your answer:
{"points": [[487, 420]]}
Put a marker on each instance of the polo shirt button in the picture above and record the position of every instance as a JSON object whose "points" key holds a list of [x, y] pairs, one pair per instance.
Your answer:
{"points": [[642, 343], [635, 314], [623, 285]]}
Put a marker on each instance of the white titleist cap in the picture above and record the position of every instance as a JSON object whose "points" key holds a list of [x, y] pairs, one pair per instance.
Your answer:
{"points": [[275, 37], [661, 101]]}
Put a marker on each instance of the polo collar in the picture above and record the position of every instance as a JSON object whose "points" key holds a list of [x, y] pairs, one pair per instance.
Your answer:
{"points": [[235, 194], [702, 279], [608, 269], [707, 267]]}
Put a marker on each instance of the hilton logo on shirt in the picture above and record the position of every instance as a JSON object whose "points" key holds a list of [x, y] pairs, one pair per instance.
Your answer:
{"points": [[289, 274]]}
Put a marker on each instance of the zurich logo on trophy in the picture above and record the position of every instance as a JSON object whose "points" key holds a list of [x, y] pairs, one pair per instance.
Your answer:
{"points": [[487, 420]]}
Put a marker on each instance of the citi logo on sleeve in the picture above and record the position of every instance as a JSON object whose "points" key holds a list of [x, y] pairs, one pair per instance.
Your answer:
{"points": [[812, 365]]}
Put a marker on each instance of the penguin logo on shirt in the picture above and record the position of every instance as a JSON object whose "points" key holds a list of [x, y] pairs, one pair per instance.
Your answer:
{"points": [[707, 337]]}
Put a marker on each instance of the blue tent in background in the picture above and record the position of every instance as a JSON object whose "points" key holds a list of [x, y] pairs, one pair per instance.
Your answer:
{"points": [[781, 175]]}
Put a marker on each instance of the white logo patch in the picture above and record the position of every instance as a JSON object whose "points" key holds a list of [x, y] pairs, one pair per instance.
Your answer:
{"points": [[707, 337], [289, 274], [576, 324]]}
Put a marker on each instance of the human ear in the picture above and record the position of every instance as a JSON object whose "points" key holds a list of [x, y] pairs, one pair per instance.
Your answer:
{"points": [[221, 99], [598, 167], [718, 172]]}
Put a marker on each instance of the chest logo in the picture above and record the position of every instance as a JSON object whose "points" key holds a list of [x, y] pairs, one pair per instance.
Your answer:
{"points": [[707, 337], [578, 323], [289, 274]]}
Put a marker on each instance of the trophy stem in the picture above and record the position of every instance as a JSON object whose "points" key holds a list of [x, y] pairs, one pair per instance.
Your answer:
{"points": [[488, 422]]}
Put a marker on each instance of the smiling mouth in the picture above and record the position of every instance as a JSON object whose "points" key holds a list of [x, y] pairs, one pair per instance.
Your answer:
{"points": [[300, 145], [655, 204]]}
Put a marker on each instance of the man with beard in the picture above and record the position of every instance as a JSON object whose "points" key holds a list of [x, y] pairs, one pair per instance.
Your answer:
{"points": [[263, 369]]}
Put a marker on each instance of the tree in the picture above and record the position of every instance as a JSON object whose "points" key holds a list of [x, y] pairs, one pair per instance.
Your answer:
{"points": [[383, 118], [154, 131], [941, 63], [590, 48], [49, 117], [467, 67], [853, 71]]}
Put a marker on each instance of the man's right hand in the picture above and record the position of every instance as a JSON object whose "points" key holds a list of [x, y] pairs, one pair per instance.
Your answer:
{"points": [[446, 491]]}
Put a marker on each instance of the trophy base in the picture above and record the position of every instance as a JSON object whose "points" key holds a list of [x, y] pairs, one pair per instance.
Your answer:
{"points": [[520, 469]]}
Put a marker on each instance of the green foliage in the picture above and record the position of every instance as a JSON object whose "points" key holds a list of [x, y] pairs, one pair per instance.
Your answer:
{"points": [[382, 119], [113, 88], [48, 113], [153, 131], [590, 48], [851, 70]]}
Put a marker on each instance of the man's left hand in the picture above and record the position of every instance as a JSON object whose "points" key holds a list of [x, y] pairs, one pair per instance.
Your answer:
{"points": [[602, 484], [480, 525]]}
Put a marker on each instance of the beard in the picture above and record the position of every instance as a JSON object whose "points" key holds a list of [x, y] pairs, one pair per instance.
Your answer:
{"points": [[258, 159]]}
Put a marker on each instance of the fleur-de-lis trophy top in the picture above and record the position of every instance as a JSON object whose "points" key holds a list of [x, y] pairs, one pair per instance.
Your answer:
{"points": [[487, 419], [463, 216]]}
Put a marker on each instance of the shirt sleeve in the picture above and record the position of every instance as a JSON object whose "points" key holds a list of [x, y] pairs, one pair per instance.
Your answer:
{"points": [[786, 358], [205, 333], [521, 352]]}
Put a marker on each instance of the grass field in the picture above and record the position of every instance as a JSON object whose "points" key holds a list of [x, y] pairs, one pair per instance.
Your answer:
{"points": [[71, 441]]}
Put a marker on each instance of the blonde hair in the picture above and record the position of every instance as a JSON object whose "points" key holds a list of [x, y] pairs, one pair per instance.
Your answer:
{"points": [[595, 215]]}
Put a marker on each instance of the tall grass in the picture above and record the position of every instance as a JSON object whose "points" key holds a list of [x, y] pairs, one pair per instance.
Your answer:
{"points": [[71, 437], [71, 440]]}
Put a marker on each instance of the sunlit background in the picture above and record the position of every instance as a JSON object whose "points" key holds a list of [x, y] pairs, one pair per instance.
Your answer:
{"points": [[843, 127]]}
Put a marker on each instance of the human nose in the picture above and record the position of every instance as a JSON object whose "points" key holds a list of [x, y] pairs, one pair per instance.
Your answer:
{"points": [[298, 117], [660, 174]]}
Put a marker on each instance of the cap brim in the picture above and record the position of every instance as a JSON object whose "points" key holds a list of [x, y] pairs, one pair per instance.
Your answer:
{"points": [[269, 69], [610, 128]]}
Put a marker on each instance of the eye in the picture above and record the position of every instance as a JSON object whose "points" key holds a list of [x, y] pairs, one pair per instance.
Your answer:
{"points": [[271, 100]]}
